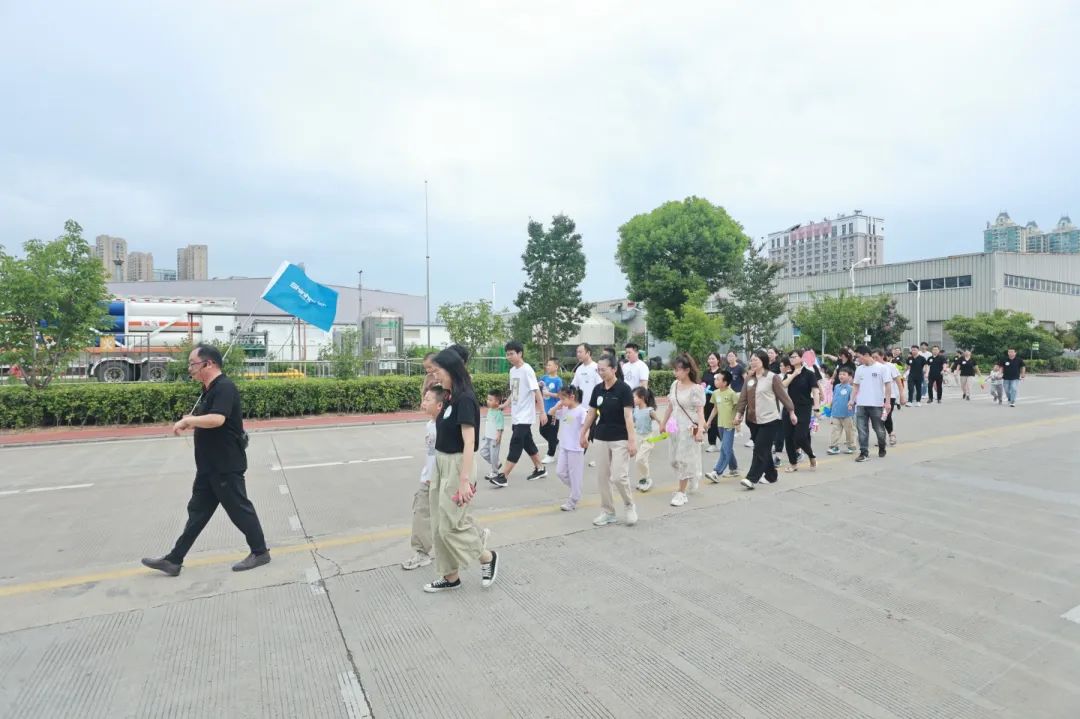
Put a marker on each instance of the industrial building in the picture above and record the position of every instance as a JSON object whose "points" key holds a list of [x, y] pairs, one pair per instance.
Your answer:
{"points": [[288, 339], [930, 292]]}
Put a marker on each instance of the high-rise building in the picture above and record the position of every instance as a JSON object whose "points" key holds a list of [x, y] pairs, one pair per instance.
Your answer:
{"points": [[113, 253], [1004, 235], [140, 267], [165, 275], [828, 246], [191, 262]]}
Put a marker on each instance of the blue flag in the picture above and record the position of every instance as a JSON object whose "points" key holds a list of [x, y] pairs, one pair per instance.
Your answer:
{"points": [[294, 292]]}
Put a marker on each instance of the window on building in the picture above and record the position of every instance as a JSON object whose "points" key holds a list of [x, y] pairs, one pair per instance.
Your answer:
{"points": [[963, 281], [951, 282]]}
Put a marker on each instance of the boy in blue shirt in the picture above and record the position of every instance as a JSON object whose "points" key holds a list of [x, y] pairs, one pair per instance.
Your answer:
{"points": [[843, 418], [550, 384]]}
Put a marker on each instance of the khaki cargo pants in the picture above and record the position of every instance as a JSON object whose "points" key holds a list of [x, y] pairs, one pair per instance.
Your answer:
{"points": [[455, 537]]}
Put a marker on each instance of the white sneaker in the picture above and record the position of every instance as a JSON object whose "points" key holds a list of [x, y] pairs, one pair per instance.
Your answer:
{"points": [[733, 473], [747, 483], [710, 448], [547, 460], [644, 484], [605, 519], [712, 477], [592, 463], [416, 561], [678, 499], [749, 443], [631, 516]]}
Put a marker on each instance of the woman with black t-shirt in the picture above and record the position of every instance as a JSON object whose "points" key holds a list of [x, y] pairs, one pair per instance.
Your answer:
{"points": [[968, 369], [708, 380], [614, 439], [454, 536], [802, 387]]}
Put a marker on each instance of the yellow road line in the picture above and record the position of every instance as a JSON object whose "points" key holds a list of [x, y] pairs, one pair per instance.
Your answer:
{"points": [[494, 518]]}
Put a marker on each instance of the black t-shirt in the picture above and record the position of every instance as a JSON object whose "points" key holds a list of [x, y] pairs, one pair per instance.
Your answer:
{"points": [[462, 410], [801, 387], [774, 367], [937, 365], [916, 365], [709, 380], [609, 404], [849, 366], [220, 450], [1012, 367], [966, 367], [737, 376]]}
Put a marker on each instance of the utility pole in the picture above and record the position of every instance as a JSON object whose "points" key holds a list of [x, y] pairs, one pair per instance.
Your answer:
{"points": [[359, 311], [427, 264]]}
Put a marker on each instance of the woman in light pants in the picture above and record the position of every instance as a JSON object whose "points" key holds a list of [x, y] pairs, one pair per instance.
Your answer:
{"points": [[613, 439], [455, 538]]}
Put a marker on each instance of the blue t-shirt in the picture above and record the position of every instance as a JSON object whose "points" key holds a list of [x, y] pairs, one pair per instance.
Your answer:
{"points": [[841, 395], [552, 385]]}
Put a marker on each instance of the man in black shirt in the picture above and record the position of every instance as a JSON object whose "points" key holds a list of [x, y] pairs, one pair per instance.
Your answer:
{"points": [[220, 463], [1013, 371], [936, 372], [916, 369]]}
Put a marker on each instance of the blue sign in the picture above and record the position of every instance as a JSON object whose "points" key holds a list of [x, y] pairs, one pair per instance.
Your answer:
{"points": [[292, 291]]}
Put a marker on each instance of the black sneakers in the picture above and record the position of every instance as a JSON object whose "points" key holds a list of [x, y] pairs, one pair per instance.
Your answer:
{"points": [[862, 457], [881, 450], [489, 571], [163, 565], [251, 561], [499, 480], [538, 473], [441, 585]]}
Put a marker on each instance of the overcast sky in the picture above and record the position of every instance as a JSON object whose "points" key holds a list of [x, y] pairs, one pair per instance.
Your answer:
{"points": [[305, 131]]}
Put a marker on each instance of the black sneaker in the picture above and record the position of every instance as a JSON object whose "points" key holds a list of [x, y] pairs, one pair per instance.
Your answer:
{"points": [[776, 460], [489, 571], [774, 480], [538, 473], [441, 585], [881, 451], [862, 457], [499, 480]]}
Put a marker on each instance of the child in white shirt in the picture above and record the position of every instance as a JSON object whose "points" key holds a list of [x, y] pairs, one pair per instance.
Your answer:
{"points": [[421, 523], [571, 463]]}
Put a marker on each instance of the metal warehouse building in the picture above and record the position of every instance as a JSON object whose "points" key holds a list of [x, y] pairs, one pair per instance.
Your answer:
{"points": [[930, 292]]}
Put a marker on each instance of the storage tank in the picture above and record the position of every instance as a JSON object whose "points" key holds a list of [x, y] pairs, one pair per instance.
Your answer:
{"points": [[166, 320], [384, 333]]}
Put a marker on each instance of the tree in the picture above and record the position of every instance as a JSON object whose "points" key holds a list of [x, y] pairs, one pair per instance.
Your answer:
{"points": [[52, 302], [696, 332], [989, 334], [754, 308], [472, 324], [675, 251], [549, 302], [845, 319], [342, 353]]}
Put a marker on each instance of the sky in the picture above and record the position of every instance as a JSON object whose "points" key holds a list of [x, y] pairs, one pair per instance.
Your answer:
{"points": [[296, 131]]}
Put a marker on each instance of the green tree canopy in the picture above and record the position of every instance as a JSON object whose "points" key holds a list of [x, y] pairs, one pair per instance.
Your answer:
{"points": [[846, 318], [51, 304], [550, 300], [754, 307], [472, 324], [696, 332], [675, 251], [989, 334]]}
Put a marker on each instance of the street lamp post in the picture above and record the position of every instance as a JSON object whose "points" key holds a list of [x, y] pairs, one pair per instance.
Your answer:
{"points": [[918, 308], [857, 264]]}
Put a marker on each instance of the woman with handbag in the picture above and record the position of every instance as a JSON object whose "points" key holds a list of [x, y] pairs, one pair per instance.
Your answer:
{"points": [[759, 404], [686, 401]]}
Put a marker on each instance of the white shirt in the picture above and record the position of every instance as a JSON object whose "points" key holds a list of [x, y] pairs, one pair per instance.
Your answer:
{"points": [[634, 373], [429, 460], [891, 373], [585, 378], [522, 400], [870, 379]]}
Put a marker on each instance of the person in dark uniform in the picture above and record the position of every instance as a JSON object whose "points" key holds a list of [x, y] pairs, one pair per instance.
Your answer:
{"points": [[220, 463]]}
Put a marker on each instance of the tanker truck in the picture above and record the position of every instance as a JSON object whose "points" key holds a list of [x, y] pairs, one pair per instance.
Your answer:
{"points": [[147, 332]]}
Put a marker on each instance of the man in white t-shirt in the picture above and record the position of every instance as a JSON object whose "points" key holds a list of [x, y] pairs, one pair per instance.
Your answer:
{"points": [[893, 377], [585, 375], [870, 400], [635, 372], [526, 403]]}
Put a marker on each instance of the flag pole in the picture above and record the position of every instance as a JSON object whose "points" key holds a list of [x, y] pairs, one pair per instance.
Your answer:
{"points": [[427, 265]]}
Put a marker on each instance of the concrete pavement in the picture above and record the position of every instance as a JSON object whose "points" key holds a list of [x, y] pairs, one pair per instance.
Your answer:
{"points": [[937, 582]]}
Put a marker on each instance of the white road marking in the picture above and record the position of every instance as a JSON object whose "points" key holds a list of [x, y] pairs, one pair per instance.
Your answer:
{"points": [[9, 491], [314, 580], [352, 694], [283, 488], [62, 486], [276, 468], [1067, 402], [294, 522], [1036, 400], [1073, 615]]}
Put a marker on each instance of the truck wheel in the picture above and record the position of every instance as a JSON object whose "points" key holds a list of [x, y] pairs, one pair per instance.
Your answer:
{"points": [[113, 372], [157, 373]]}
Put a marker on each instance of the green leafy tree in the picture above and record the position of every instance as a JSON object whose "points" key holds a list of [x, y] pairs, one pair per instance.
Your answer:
{"points": [[845, 319], [472, 324], [753, 308], [346, 361], [989, 334], [549, 302], [177, 368], [51, 305], [695, 331], [675, 251]]}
